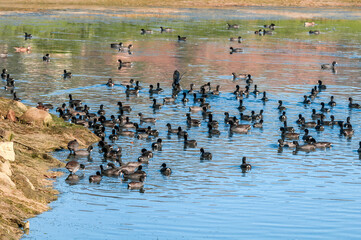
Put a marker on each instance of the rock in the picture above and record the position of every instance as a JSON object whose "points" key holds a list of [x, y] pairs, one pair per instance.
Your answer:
{"points": [[5, 167], [36, 116], [5, 180], [11, 115], [7, 151]]}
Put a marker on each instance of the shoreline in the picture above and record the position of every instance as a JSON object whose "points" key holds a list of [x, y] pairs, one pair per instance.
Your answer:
{"points": [[26, 178]]}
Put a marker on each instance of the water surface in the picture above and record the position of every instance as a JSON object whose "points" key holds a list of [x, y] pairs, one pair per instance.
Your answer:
{"points": [[285, 195]]}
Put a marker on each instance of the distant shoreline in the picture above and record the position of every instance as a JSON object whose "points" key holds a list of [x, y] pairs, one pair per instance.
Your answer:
{"points": [[39, 5]]}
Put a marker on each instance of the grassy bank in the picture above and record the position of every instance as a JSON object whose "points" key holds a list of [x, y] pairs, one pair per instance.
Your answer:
{"points": [[48, 4], [28, 188]]}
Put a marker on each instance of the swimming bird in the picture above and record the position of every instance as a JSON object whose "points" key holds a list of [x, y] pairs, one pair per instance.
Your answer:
{"points": [[73, 146], [234, 39], [332, 103], [143, 119], [205, 155], [162, 29], [353, 105], [135, 185], [157, 145], [110, 83], [189, 143], [315, 32], [95, 178], [143, 31], [245, 165], [165, 170], [235, 26], [73, 166], [27, 35], [181, 39], [305, 147], [83, 152], [46, 58], [124, 64], [66, 74], [235, 50], [329, 66]]}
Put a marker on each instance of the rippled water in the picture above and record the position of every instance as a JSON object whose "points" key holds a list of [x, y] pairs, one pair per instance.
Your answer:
{"points": [[285, 195]]}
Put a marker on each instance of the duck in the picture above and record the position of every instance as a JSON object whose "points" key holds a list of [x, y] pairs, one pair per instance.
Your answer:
{"points": [[245, 117], [239, 128], [235, 50], [305, 147], [110, 83], [162, 29], [157, 145], [166, 171], [196, 108], [306, 100], [73, 166], [353, 105], [143, 119], [139, 173], [170, 99], [329, 66], [258, 32], [255, 91], [136, 185], [205, 155], [283, 117], [125, 48], [315, 115], [280, 106], [309, 24], [143, 31], [348, 123], [315, 32], [300, 120], [216, 91], [321, 86], [129, 91], [189, 143], [66, 74], [227, 118], [116, 45], [245, 165], [322, 144], [113, 136], [257, 116], [27, 35], [289, 135], [306, 137], [180, 132], [110, 172], [153, 91], [282, 143], [319, 126], [192, 122], [286, 128], [181, 39], [332, 103], [185, 99], [234, 39], [170, 130], [44, 106], [46, 58], [258, 124], [147, 153], [75, 102], [309, 124], [4, 74], [346, 132], [73, 145], [328, 123], [95, 178], [22, 49], [264, 98], [212, 131], [83, 152], [124, 64], [212, 122], [156, 105], [125, 108], [323, 109], [359, 149], [235, 26], [241, 107]]}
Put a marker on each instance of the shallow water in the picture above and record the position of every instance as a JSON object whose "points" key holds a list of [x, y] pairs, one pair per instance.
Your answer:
{"points": [[285, 195]]}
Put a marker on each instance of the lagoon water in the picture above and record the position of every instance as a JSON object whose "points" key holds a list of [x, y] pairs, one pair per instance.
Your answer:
{"points": [[285, 196]]}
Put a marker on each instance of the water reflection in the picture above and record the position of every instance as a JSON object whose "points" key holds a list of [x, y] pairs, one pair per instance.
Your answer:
{"points": [[201, 198]]}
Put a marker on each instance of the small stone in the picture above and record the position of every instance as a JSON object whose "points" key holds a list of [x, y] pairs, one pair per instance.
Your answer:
{"points": [[5, 168], [11, 115]]}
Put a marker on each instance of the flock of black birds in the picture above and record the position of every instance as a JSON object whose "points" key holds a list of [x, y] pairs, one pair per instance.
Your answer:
{"points": [[122, 126]]}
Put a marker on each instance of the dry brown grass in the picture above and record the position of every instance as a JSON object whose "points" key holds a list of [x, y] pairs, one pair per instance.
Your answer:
{"points": [[170, 6]]}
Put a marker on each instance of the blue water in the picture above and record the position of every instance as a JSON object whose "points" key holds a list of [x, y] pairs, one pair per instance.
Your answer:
{"points": [[285, 196]]}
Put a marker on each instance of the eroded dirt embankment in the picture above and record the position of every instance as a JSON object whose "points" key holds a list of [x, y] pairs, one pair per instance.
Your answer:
{"points": [[26, 182]]}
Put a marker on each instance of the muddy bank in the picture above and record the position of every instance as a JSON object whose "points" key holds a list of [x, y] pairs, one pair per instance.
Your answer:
{"points": [[25, 179]]}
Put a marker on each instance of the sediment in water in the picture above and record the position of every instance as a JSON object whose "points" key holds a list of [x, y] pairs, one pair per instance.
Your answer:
{"points": [[26, 182]]}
